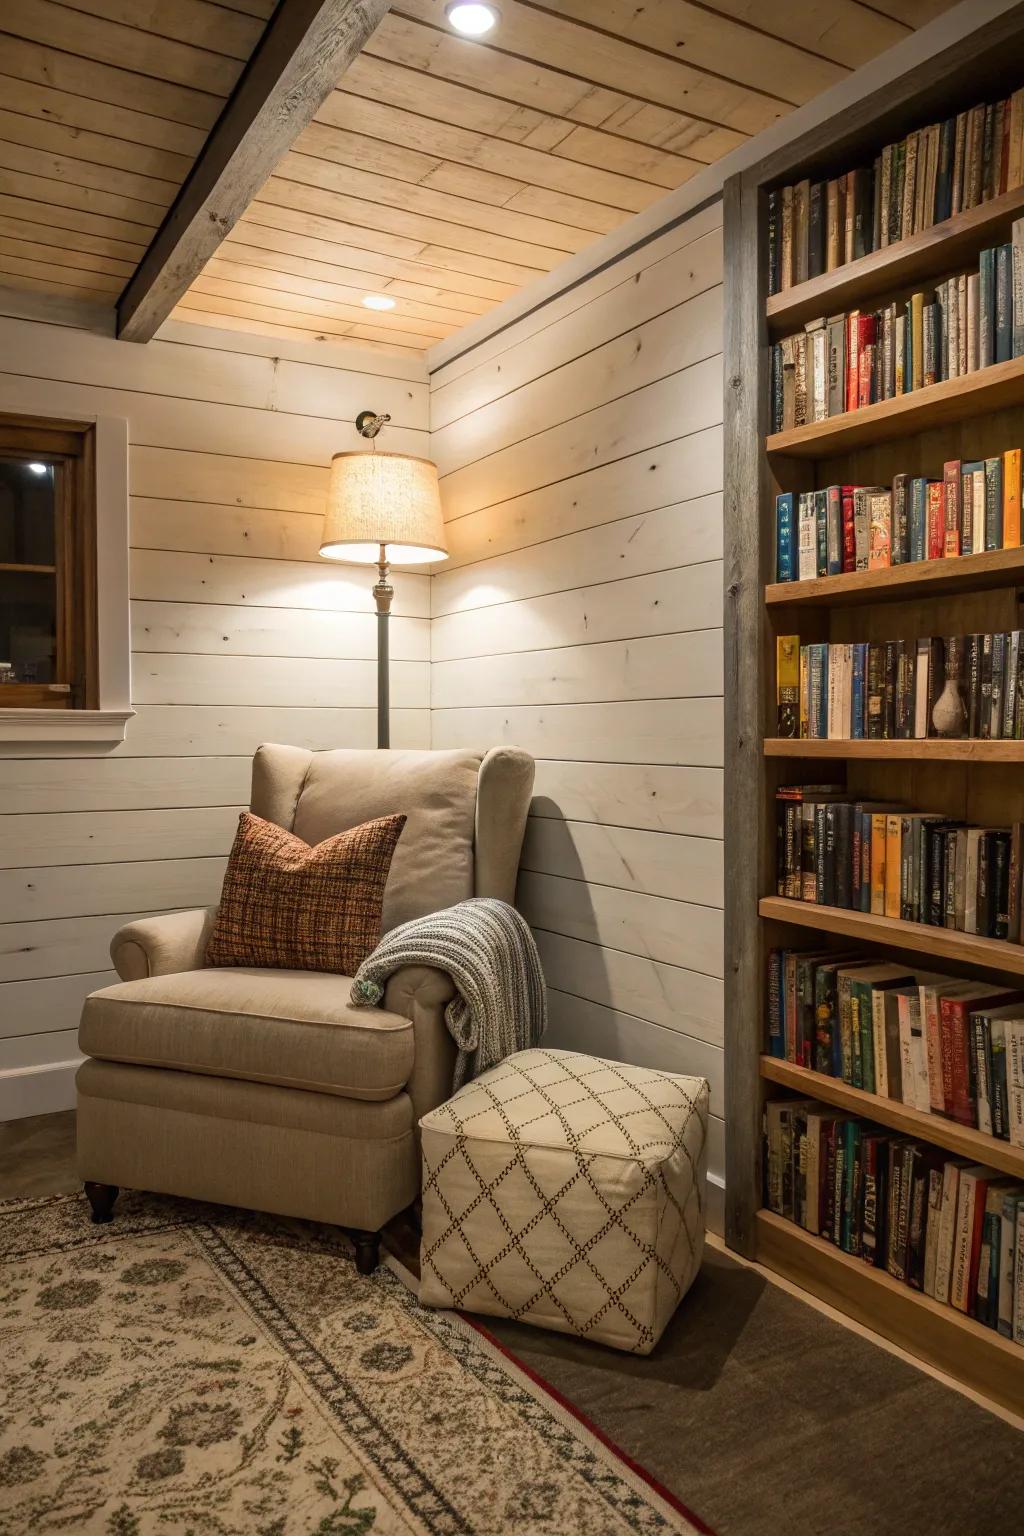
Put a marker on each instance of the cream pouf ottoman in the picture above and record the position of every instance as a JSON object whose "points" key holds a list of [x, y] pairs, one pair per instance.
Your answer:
{"points": [[568, 1192]]}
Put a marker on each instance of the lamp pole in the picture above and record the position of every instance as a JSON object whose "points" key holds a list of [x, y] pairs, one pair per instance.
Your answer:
{"points": [[383, 592]]}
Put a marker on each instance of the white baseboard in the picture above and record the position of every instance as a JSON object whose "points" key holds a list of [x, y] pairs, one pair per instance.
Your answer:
{"points": [[714, 1216], [38, 1090]]}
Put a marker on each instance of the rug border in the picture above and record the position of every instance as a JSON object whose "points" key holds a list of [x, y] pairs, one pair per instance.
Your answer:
{"points": [[635, 1467], [559, 1400], [464, 1321]]}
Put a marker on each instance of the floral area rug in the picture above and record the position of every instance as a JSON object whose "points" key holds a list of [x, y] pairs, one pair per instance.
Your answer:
{"points": [[209, 1372]]}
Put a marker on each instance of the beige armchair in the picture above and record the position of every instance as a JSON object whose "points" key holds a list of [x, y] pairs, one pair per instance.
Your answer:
{"points": [[268, 1089]]}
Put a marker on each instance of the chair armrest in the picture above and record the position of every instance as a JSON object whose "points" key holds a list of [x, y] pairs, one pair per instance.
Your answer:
{"points": [[159, 946], [421, 993]]}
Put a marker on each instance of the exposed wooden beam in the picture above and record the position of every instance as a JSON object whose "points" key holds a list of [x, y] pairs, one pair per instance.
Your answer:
{"points": [[299, 60]]}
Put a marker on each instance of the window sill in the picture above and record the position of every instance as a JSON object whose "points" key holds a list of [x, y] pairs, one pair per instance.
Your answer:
{"points": [[61, 730]]}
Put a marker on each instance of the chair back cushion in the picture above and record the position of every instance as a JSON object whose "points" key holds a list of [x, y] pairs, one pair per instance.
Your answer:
{"points": [[288, 906], [318, 794]]}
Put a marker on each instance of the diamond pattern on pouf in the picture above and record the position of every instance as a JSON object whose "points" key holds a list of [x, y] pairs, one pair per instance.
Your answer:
{"points": [[567, 1192]]}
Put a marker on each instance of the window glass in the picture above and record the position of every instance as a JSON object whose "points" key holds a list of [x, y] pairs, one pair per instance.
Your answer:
{"points": [[28, 577]]}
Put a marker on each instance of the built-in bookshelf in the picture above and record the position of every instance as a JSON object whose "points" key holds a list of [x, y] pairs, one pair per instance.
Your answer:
{"points": [[976, 781]]}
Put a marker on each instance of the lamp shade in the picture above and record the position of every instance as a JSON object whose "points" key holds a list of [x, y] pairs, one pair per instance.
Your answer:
{"points": [[383, 498]]}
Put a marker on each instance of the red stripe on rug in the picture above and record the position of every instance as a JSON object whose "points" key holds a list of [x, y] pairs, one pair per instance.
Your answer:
{"points": [[594, 1429]]}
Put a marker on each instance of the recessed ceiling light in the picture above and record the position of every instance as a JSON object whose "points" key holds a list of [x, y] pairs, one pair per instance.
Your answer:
{"points": [[472, 20], [378, 301], [39, 469]]}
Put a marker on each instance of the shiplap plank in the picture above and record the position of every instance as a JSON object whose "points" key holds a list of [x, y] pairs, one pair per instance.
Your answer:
{"points": [[843, 30], [37, 786], [106, 837], [630, 267], [239, 277], [125, 125], [318, 363], [84, 890], [686, 402], [170, 576], [41, 1006], [200, 426], [714, 43], [685, 538], [476, 151], [676, 932], [272, 243], [609, 63], [635, 606], [127, 47], [61, 947], [215, 477], [653, 294], [207, 376], [655, 863], [684, 666], [686, 1001], [393, 221], [200, 527], [642, 482], [212, 629], [442, 215], [78, 143], [263, 681], [577, 1024], [648, 796], [49, 1049], [93, 80], [611, 372], [688, 732], [203, 730]]}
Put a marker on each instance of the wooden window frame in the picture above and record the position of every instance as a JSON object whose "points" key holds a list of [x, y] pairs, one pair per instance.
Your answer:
{"points": [[71, 447], [91, 559]]}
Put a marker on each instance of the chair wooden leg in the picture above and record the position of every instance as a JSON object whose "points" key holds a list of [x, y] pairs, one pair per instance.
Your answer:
{"points": [[367, 1245], [101, 1197]]}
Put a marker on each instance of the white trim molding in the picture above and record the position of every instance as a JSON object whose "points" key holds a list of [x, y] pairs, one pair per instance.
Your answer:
{"points": [[41, 1090], [35, 732]]}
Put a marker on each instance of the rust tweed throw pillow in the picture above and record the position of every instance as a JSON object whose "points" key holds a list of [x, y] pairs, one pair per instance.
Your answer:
{"points": [[291, 907]]}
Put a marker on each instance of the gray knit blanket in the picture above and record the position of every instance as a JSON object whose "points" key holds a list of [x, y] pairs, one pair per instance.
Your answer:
{"points": [[500, 1002]]}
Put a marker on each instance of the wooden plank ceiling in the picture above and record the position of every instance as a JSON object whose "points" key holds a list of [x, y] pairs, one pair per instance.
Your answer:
{"points": [[104, 105], [443, 172]]}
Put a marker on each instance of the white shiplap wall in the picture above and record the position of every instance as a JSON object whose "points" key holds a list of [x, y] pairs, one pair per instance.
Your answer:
{"points": [[240, 634], [580, 617]]}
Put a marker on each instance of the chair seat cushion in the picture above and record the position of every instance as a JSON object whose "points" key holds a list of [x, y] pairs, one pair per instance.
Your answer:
{"points": [[294, 1028]]}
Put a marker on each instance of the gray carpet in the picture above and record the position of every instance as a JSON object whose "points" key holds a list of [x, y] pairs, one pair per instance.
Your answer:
{"points": [[765, 1417]]}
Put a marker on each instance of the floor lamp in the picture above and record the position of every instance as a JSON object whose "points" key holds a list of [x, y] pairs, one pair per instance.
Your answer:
{"points": [[382, 507]]}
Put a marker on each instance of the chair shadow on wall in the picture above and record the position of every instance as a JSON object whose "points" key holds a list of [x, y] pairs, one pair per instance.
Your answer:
{"points": [[576, 973], [711, 1319]]}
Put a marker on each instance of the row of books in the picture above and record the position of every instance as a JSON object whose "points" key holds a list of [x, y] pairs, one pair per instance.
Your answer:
{"points": [[960, 686], [815, 227], [952, 1229], [944, 1046], [894, 862], [976, 506], [842, 362]]}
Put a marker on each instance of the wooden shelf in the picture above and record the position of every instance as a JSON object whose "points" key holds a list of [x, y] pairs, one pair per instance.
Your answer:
{"points": [[922, 578], [31, 570], [926, 1328], [963, 1140], [931, 253], [925, 750], [937, 405], [914, 938]]}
